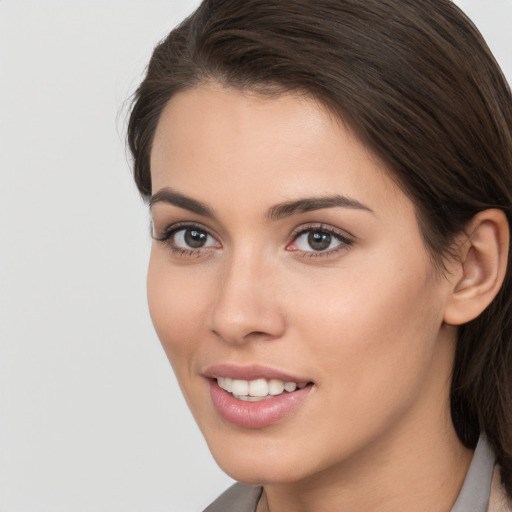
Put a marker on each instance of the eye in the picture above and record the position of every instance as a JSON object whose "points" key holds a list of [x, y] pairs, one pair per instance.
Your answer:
{"points": [[192, 238], [186, 240], [318, 240]]}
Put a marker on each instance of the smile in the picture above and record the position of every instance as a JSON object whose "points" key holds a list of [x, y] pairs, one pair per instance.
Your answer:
{"points": [[256, 397], [258, 389]]}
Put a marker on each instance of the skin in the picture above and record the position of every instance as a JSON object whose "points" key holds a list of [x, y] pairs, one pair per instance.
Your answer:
{"points": [[362, 320]]}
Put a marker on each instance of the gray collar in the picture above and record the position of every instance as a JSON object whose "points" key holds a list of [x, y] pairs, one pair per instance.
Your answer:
{"points": [[475, 492]]}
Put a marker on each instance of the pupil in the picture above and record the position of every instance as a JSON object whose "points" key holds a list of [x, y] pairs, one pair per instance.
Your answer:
{"points": [[319, 241], [195, 238]]}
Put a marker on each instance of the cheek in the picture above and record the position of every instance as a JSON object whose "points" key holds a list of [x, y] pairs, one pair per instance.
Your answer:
{"points": [[374, 342], [373, 328], [176, 304]]}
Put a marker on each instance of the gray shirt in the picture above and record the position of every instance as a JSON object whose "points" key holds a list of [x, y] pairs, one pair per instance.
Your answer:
{"points": [[473, 497]]}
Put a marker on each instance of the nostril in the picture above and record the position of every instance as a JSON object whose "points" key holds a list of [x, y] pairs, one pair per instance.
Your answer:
{"points": [[250, 335], [258, 335]]}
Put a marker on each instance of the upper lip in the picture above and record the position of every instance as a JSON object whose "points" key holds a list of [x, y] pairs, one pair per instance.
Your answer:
{"points": [[251, 372]]}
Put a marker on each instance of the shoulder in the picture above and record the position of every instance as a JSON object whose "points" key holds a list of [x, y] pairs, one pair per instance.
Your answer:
{"points": [[238, 498], [499, 500]]}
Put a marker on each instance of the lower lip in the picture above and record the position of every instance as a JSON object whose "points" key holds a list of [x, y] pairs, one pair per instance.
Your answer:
{"points": [[255, 414]]}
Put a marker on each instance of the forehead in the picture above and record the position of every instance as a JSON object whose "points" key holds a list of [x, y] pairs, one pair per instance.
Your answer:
{"points": [[213, 140], [211, 113]]}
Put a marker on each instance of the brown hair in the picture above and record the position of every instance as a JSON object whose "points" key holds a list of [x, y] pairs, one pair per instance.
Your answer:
{"points": [[417, 83]]}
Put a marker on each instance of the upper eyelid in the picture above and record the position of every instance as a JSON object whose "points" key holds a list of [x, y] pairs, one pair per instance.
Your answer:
{"points": [[304, 228], [178, 226]]}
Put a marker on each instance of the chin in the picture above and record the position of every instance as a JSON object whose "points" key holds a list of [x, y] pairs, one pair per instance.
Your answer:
{"points": [[262, 462], [259, 472]]}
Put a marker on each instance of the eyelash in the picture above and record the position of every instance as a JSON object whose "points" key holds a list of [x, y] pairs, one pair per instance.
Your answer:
{"points": [[167, 238], [345, 242]]}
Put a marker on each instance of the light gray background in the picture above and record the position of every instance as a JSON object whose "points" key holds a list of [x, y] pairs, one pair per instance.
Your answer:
{"points": [[91, 418]]}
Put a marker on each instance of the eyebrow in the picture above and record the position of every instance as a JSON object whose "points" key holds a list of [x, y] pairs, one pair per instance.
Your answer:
{"points": [[276, 212], [310, 204], [166, 195]]}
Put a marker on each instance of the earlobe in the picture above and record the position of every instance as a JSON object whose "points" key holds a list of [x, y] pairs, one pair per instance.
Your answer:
{"points": [[482, 265]]}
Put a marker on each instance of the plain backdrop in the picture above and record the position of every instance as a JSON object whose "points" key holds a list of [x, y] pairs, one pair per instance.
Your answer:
{"points": [[91, 418]]}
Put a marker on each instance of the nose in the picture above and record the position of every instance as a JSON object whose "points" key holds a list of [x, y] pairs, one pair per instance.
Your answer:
{"points": [[247, 302]]}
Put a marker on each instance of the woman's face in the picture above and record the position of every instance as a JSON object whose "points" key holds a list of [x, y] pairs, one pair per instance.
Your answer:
{"points": [[284, 253]]}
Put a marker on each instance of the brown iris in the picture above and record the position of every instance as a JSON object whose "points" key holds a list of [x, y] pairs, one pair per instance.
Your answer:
{"points": [[195, 238], [319, 240]]}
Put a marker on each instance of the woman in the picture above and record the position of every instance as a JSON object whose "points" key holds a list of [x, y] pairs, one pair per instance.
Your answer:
{"points": [[330, 186]]}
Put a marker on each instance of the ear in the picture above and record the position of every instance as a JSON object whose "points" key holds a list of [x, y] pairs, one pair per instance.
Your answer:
{"points": [[481, 267]]}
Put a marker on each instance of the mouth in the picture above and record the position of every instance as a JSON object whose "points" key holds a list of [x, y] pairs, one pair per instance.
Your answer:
{"points": [[256, 397], [259, 389]]}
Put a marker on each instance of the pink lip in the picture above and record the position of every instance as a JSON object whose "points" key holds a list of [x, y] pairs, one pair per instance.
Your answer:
{"points": [[251, 372], [254, 414]]}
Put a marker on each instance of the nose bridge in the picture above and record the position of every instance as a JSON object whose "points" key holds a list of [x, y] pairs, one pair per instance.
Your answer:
{"points": [[246, 304]]}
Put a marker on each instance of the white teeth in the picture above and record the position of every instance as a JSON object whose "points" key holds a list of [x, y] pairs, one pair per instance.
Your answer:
{"points": [[240, 387], [247, 398], [226, 383], [257, 389], [290, 386], [275, 387]]}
